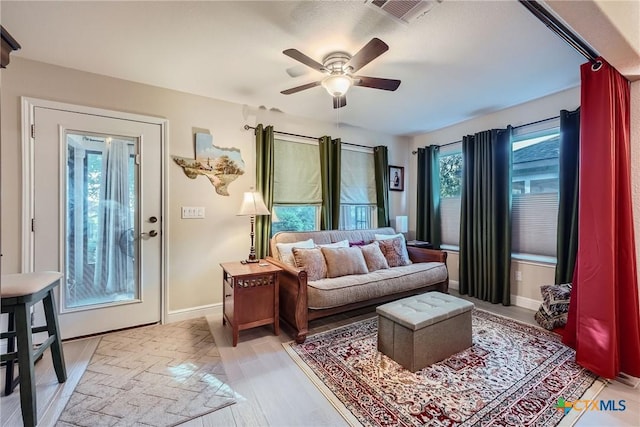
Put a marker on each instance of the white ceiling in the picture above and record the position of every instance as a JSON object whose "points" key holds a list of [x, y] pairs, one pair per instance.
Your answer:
{"points": [[461, 60]]}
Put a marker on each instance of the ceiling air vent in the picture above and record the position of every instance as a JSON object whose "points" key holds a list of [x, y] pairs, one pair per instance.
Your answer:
{"points": [[406, 11]]}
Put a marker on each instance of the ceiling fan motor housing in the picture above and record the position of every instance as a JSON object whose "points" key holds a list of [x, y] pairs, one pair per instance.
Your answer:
{"points": [[335, 63]]}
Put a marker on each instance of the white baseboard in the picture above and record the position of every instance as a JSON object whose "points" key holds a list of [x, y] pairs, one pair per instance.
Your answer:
{"points": [[516, 300], [525, 302], [192, 313], [629, 380]]}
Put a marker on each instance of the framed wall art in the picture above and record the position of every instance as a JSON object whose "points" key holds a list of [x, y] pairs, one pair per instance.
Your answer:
{"points": [[396, 178]]}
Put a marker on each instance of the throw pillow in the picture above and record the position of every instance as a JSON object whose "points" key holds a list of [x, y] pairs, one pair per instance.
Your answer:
{"points": [[549, 321], [395, 251], [357, 243], [312, 261], [284, 250], [374, 257], [340, 244], [554, 310], [388, 236], [344, 261], [555, 298]]}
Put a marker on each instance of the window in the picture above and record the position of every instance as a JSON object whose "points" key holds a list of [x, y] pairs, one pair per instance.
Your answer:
{"points": [[535, 192], [450, 188], [297, 192], [296, 218], [357, 217], [357, 190]]}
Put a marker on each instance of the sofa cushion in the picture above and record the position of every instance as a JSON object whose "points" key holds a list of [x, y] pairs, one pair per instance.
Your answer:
{"points": [[312, 261], [285, 250], [325, 236], [327, 293], [340, 244], [395, 251], [344, 261], [374, 257], [388, 236]]}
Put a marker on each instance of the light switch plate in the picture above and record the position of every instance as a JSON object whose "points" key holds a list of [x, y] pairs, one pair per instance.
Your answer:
{"points": [[192, 212]]}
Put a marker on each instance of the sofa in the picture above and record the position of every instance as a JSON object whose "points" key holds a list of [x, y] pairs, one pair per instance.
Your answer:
{"points": [[323, 272]]}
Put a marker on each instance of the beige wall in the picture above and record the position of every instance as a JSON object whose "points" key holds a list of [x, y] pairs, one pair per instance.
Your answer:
{"points": [[195, 247], [525, 292]]}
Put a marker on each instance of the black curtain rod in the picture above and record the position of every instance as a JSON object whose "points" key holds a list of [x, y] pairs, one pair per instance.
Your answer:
{"points": [[536, 122], [514, 127], [562, 31], [247, 127]]}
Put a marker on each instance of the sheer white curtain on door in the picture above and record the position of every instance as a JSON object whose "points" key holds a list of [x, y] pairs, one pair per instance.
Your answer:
{"points": [[113, 267]]}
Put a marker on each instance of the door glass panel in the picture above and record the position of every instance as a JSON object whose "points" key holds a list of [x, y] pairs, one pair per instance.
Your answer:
{"points": [[101, 250]]}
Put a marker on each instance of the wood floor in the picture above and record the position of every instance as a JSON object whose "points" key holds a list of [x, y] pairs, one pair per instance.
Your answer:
{"points": [[272, 390]]}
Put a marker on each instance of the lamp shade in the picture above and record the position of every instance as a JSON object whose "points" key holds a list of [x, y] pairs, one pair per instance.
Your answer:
{"points": [[253, 204], [402, 224], [337, 85]]}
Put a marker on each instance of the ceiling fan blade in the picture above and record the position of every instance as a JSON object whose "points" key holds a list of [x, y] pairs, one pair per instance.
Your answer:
{"points": [[301, 57], [300, 88], [339, 101], [368, 53], [376, 82]]}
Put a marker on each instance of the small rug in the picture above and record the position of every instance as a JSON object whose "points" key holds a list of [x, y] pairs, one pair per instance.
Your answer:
{"points": [[160, 375], [514, 374]]}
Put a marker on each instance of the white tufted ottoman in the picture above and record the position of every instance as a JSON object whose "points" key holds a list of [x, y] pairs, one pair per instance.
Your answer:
{"points": [[424, 329]]}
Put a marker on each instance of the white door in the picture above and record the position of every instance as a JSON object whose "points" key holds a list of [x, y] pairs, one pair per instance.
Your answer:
{"points": [[97, 217]]}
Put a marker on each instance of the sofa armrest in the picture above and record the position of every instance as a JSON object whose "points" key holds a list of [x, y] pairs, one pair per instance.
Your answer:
{"points": [[293, 297], [426, 255]]}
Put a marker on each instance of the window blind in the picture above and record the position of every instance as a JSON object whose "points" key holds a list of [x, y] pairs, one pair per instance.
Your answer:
{"points": [[296, 177], [534, 223], [357, 182], [450, 220]]}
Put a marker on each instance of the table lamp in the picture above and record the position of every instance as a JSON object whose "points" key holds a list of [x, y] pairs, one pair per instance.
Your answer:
{"points": [[402, 224], [252, 205]]}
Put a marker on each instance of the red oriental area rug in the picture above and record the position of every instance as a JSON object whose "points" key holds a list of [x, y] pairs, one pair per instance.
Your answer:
{"points": [[514, 374]]}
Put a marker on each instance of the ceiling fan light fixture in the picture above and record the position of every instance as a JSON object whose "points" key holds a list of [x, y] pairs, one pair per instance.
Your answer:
{"points": [[337, 84]]}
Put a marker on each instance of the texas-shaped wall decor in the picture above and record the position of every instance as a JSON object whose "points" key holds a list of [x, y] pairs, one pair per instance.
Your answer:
{"points": [[221, 166]]}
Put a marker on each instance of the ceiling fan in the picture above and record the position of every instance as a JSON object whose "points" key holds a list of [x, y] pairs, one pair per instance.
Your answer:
{"points": [[340, 68]]}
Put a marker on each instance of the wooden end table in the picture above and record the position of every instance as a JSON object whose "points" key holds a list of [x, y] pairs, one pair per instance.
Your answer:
{"points": [[250, 296]]}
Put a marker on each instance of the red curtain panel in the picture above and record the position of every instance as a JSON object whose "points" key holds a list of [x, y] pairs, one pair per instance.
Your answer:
{"points": [[604, 319]]}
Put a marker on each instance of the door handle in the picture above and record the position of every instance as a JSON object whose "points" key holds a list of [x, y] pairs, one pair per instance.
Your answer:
{"points": [[152, 233]]}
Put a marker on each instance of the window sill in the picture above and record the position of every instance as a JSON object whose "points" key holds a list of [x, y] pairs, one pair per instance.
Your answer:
{"points": [[530, 258], [535, 259]]}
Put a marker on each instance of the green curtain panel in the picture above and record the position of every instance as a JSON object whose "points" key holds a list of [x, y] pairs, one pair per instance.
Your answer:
{"points": [[264, 184], [485, 216], [381, 170], [568, 195], [330, 153], [428, 197]]}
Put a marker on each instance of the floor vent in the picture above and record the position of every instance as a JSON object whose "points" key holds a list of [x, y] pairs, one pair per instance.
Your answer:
{"points": [[406, 11]]}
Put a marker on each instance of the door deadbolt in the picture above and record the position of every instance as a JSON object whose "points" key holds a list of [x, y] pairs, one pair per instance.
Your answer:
{"points": [[153, 219]]}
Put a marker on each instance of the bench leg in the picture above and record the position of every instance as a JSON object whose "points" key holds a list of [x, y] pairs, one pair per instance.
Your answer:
{"points": [[25, 361], [52, 328]]}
